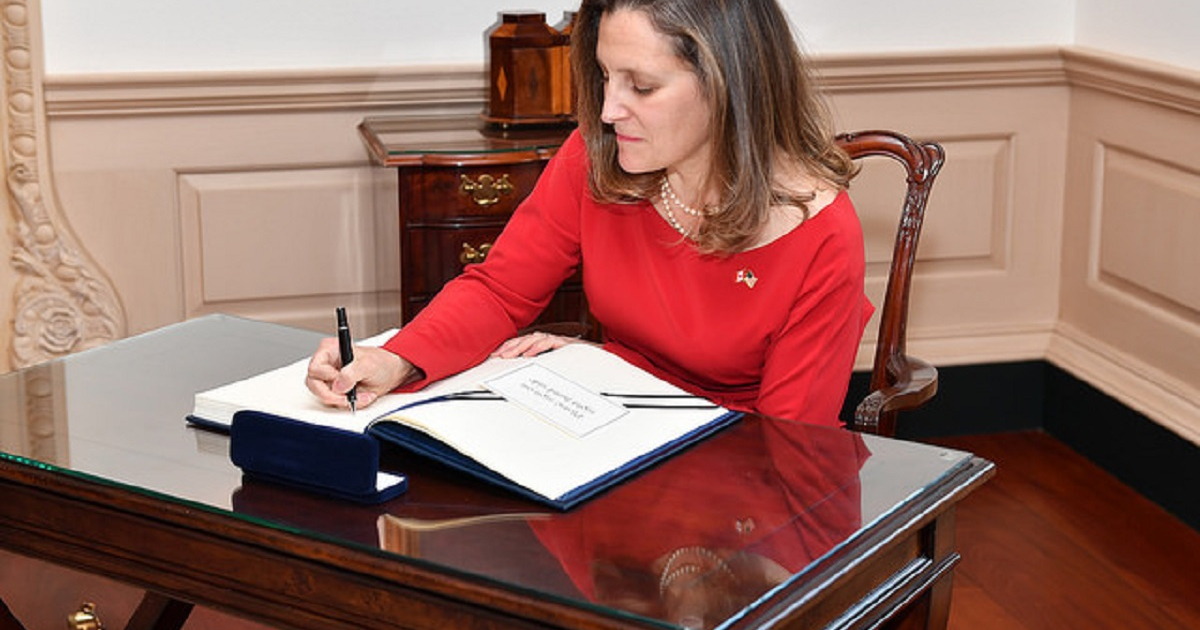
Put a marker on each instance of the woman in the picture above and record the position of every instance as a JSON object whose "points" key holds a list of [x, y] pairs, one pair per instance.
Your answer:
{"points": [[705, 198]]}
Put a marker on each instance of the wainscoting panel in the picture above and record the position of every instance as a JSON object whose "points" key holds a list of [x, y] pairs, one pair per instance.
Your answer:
{"points": [[1148, 219], [952, 240], [238, 195], [1130, 318], [266, 242], [981, 291]]}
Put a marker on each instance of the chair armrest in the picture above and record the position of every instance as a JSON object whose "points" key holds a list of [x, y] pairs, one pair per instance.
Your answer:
{"points": [[916, 382]]}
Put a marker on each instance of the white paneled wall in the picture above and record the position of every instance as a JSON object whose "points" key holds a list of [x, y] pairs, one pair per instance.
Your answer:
{"points": [[224, 131], [1033, 247]]}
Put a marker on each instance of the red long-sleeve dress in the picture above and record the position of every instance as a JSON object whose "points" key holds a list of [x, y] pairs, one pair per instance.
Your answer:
{"points": [[773, 330]]}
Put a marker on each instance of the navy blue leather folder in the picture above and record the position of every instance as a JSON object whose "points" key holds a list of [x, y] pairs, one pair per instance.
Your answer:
{"points": [[320, 459]]}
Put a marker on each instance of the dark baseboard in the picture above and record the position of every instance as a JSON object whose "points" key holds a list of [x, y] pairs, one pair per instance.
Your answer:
{"points": [[1157, 462], [1035, 395], [971, 400]]}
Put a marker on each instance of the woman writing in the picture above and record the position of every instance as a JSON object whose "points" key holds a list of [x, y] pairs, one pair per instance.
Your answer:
{"points": [[705, 198]]}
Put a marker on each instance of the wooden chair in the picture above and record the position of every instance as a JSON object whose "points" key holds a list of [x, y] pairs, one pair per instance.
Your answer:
{"points": [[899, 382]]}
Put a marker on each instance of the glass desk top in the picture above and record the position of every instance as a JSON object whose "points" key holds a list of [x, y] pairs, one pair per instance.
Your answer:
{"points": [[693, 542], [456, 140]]}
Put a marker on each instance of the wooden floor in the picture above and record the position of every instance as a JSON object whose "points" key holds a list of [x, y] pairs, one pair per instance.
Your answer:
{"points": [[1053, 541]]}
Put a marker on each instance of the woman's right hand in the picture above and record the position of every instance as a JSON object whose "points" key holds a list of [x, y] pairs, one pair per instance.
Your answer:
{"points": [[374, 371]]}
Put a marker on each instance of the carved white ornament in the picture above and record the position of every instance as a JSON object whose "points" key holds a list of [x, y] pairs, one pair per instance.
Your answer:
{"points": [[63, 302]]}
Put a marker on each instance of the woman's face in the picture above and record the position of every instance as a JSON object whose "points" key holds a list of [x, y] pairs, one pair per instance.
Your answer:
{"points": [[652, 99]]}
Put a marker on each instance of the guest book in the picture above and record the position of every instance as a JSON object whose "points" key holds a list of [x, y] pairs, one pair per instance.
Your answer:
{"points": [[557, 428]]}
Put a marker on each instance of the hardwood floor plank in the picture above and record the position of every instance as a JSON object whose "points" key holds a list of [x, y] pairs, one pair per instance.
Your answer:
{"points": [[1042, 576], [973, 608], [1057, 542], [1152, 551]]}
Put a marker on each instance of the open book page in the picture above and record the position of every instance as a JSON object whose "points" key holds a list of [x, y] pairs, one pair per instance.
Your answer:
{"points": [[539, 454], [281, 392]]}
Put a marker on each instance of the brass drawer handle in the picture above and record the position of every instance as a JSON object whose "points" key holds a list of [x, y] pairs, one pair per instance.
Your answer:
{"points": [[470, 255], [85, 618], [487, 190]]}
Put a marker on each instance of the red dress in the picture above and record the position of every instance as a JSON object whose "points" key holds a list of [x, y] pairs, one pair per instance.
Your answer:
{"points": [[773, 330]]}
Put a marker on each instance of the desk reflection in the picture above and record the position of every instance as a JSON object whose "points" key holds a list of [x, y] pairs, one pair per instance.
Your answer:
{"points": [[715, 529], [692, 541]]}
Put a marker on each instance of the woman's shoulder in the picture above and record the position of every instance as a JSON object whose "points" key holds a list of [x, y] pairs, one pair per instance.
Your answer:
{"points": [[836, 219], [831, 241], [838, 209], [827, 213]]}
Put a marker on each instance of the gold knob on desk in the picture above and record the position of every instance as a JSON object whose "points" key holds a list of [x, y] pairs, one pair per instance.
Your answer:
{"points": [[471, 254], [486, 190], [85, 618]]}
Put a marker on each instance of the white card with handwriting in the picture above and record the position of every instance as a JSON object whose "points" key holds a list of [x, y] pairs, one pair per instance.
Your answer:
{"points": [[556, 399]]}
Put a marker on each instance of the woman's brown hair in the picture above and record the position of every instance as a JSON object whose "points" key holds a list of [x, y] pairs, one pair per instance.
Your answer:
{"points": [[761, 96]]}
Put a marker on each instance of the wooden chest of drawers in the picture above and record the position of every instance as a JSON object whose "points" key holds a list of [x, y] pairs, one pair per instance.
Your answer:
{"points": [[459, 182]]}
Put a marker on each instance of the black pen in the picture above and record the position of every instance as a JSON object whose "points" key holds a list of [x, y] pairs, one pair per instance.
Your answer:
{"points": [[346, 347]]}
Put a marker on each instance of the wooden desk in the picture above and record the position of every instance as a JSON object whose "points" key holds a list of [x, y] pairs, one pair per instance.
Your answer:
{"points": [[815, 527]]}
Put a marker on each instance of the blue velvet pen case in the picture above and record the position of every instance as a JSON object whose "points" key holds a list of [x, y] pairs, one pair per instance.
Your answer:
{"points": [[325, 460]]}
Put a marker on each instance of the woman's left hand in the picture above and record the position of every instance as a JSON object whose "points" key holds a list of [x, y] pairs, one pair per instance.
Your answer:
{"points": [[531, 345]]}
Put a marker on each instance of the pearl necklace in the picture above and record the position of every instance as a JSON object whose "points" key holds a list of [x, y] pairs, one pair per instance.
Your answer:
{"points": [[669, 197], [698, 561], [673, 221]]}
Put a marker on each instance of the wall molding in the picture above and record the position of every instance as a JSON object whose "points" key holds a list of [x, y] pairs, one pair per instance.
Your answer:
{"points": [[399, 91], [862, 72], [462, 86], [1135, 79], [975, 345], [1137, 385]]}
